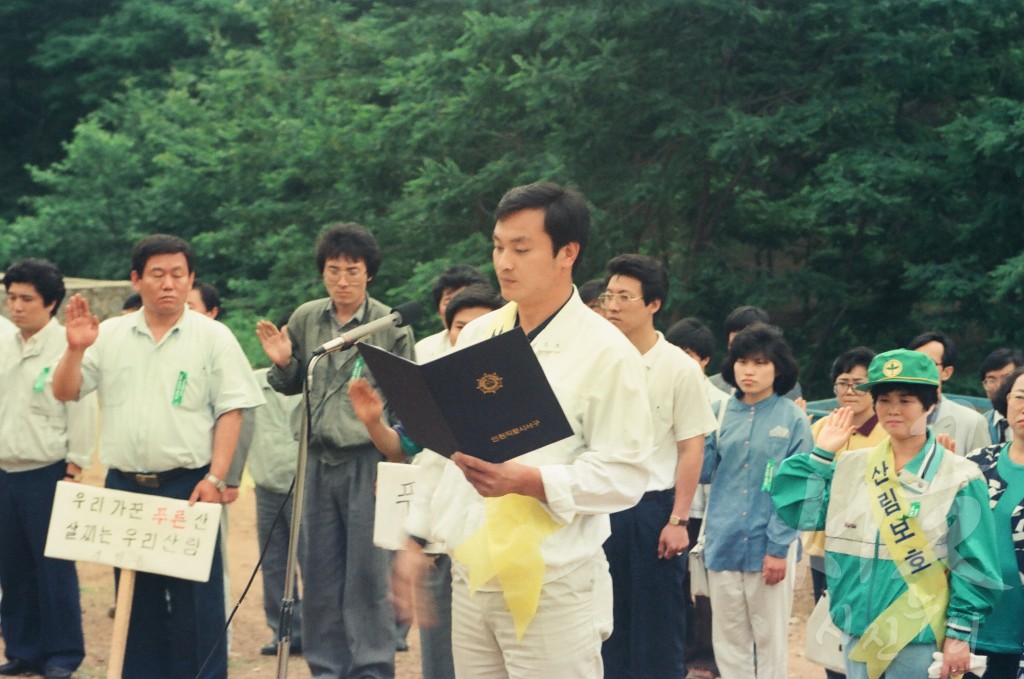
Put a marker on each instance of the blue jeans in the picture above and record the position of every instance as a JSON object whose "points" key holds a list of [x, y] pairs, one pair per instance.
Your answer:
{"points": [[348, 622], [175, 623], [40, 612], [910, 663]]}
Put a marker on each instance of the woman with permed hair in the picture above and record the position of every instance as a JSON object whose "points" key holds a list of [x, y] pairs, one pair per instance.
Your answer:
{"points": [[749, 552]]}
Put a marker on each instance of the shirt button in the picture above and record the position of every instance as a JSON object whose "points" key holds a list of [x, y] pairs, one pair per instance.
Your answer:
{"points": [[743, 514], [746, 466], [744, 491]]}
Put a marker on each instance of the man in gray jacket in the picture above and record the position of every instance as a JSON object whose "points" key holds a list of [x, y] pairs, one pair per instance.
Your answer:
{"points": [[348, 620]]}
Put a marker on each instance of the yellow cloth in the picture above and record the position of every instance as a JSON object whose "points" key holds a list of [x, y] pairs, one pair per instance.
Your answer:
{"points": [[507, 545], [927, 595]]}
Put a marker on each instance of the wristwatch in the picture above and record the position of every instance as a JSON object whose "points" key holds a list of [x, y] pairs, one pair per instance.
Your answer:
{"points": [[215, 481], [674, 520]]}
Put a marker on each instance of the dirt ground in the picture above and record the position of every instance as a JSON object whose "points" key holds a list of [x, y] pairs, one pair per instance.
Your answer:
{"points": [[250, 632]]}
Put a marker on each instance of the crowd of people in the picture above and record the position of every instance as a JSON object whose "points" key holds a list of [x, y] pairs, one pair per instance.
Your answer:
{"points": [[567, 561]]}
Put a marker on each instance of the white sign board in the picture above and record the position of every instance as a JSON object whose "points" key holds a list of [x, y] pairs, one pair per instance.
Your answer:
{"points": [[396, 484], [145, 533]]}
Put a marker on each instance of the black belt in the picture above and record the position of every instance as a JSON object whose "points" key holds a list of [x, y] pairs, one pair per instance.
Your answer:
{"points": [[155, 479], [658, 494]]}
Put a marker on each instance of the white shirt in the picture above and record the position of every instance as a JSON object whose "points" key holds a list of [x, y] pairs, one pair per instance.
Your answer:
{"points": [[36, 429], [160, 400], [6, 327], [433, 346], [679, 407], [598, 378]]}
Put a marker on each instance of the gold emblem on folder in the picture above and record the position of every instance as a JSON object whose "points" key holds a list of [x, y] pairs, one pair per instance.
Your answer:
{"points": [[489, 383]]}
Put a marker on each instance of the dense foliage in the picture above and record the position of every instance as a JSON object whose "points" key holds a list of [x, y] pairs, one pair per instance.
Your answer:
{"points": [[854, 167]]}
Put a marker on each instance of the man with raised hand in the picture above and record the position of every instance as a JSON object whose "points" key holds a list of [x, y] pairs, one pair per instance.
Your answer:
{"points": [[172, 384], [348, 621], [531, 591]]}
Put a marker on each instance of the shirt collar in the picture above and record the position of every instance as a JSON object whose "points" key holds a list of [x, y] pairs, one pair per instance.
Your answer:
{"points": [[868, 426], [141, 326], [357, 317], [736, 404], [33, 345]]}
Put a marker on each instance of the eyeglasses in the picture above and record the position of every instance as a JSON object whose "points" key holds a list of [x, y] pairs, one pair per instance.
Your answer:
{"points": [[840, 388], [991, 381], [334, 274], [605, 298]]}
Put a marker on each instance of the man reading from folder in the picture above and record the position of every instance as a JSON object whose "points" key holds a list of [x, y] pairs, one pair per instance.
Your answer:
{"points": [[531, 592]]}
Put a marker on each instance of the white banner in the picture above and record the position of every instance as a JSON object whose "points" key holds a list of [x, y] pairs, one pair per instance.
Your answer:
{"points": [[145, 533], [396, 484]]}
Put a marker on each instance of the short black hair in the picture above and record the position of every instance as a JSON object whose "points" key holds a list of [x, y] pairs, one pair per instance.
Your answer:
{"points": [[209, 294], [590, 290], [1003, 393], [925, 393], [761, 339], [455, 277], [159, 244], [480, 295], [743, 316], [566, 216], [651, 273], [948, 345], [1000, 358], [132, 302], [850, 359], [691, 333], [350, 240], [41, 274]]}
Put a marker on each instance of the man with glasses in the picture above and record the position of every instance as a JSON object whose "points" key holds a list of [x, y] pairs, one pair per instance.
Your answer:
{"points": [[648, 541], [965, 426], [994, 368], [849, 371], [348, 622]]}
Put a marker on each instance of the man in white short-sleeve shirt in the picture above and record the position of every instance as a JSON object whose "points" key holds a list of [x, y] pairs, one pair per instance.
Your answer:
{"points": [[648, 542], [172, 384]]}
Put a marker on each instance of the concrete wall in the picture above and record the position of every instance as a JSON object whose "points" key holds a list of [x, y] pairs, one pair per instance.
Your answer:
{"points": [[105, 297]]}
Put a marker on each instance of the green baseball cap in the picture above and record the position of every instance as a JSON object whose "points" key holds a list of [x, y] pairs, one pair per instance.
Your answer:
{"points": [[901, 366]]}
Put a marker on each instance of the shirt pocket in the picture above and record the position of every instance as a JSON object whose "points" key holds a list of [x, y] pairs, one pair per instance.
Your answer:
{"points": [[190, 389]]}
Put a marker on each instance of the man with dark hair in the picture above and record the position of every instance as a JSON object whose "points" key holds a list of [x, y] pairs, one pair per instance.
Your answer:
{"points": [[590, 292], [648, 541], [738, 319], [536, 601], [172, 385], [468, 305], [992, 371], [348, 620], [447, 285], [205, 299], [132, 302], [965, 426], [42, 441]]}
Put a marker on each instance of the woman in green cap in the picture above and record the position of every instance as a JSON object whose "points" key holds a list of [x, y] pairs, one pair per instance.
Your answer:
{"points": [[910, 556]]}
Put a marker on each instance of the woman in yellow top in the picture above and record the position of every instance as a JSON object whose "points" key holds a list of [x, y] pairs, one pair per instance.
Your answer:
{"points": [[849, 371]]}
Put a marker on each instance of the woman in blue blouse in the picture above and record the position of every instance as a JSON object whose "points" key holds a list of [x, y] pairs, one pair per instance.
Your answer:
{"points": [[748, 549], [1001, 634]]}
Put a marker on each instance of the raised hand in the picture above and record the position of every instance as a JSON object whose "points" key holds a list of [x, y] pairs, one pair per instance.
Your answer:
{"points": [[837, 430], [81, 325], [366, 402], [276, 343]]}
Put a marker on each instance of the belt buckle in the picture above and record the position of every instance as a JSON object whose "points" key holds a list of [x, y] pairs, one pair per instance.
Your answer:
{"points": [[147, 480]]}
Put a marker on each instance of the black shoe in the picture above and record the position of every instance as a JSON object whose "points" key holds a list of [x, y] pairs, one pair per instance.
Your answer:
{"points": [[271, 648], [58, 673], [16, 668]]}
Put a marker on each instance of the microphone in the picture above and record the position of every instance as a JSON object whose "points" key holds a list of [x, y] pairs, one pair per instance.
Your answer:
{"points": [[400, 316]]}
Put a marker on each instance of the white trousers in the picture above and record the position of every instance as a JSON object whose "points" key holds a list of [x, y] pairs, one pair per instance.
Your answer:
{"points": [[750, 621], [563, 639]]}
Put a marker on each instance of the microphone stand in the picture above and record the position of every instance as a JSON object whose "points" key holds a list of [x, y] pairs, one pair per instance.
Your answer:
{"points": [[284, 628]]}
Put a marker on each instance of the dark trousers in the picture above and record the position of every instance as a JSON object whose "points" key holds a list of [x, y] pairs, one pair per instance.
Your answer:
{"points": [[820, 585], [40, 612], [649, 609], [275, 559], [175, 623]]}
